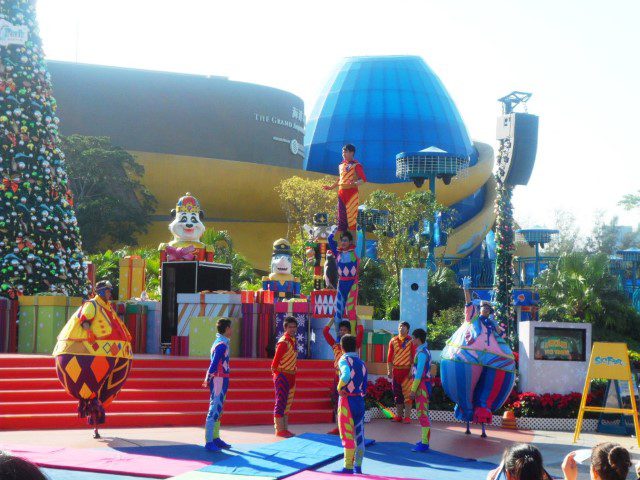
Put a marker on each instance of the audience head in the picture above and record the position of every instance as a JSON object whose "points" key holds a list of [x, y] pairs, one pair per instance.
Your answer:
{"points": [[610, 461], [523, 462], [14, 468]]}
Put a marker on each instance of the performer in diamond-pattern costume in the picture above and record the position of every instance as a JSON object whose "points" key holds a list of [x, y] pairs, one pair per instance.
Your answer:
{"points": [[348, 262], [421, 386]]}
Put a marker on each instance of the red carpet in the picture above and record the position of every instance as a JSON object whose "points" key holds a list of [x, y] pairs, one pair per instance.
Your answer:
{"points": [[160, 391]]}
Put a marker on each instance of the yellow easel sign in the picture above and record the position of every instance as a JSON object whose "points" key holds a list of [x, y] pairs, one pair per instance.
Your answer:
{"points": [[611, 362]]}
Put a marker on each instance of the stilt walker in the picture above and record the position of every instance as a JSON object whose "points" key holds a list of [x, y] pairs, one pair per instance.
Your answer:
{"points": [[352, 388], [421, 387], [399, 362], [217, 380], [351, 175], [283, 369], [344, 328]]}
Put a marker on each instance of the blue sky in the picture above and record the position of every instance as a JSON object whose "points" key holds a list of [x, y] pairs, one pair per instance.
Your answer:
{"points": [[579, 58]]}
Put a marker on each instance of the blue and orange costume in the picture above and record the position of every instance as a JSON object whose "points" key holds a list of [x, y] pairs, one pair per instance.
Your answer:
{"points": [[352, 387], [347, 296], [421, 387], [348, 200], [283, 368], [400, 356], [218, 380]]}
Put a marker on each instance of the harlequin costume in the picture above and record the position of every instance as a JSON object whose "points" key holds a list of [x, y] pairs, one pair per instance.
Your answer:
{"points": [[353, 382], [283, 367], [400, 356], [218, 380], [93, 364], [337, 351], [348, 201], [347, 295], [421, 387]]}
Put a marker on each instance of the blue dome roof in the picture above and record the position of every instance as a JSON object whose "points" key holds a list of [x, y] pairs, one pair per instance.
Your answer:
{"points": [[383, 105]]}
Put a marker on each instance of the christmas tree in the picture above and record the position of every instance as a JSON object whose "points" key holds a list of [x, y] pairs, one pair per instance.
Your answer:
{"points": [[40, 248]]}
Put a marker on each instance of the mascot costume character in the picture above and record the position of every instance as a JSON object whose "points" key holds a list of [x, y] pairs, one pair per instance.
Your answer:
{"points": [[316, 250], [187, 228], [93, 355], [477, 365], [281, 281]]}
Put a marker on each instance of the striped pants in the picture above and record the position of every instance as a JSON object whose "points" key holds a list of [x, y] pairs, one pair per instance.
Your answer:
{"points": [[351, 426], [347, 209], [346, 300], [285, 388]]}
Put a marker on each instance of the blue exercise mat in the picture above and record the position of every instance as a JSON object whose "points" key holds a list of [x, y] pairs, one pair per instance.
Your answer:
{"points": [[283, 458], [395, 459], [61, 474]]}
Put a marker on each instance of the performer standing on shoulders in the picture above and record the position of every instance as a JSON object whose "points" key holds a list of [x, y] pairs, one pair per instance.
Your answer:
{"points": [[283, 369], [217, 380], [351, 175], [348, 262], [352, 388], [344, 329], [399, 361], [421, 386]]}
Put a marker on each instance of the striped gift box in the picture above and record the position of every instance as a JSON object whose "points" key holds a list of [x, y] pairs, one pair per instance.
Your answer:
{"points": [[205, 304]]}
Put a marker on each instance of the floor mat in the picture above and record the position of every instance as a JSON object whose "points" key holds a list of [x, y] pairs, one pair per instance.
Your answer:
{"points": [[396, 460], [280, 459], [61, 474]]}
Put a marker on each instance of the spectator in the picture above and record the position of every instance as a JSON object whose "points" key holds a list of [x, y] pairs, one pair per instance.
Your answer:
{"points": [[14, 468], [609, 461], [520, 462]]}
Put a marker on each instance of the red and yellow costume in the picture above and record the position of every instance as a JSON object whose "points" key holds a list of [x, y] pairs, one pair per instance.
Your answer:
{"points": [[283, 367], [400, 356], [348, 201]]}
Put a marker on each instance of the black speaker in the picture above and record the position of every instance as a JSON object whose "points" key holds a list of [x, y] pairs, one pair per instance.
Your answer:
{"points": [[188, 277], [521, 129]]}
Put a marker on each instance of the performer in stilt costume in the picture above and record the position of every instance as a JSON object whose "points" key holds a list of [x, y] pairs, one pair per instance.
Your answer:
{"points": [[283, 369], [351, 175], [352, 388], [348, 262], [344, 328], [477, 365], [399, 361], [421, 387], [93, 355], [217, 380]]}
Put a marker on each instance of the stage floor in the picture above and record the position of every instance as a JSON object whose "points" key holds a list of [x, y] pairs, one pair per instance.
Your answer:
{"points": [[448, 438]]}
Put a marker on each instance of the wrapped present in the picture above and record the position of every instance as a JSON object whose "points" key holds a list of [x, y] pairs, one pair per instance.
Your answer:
{"points": [[320, 349], [249, 346], [247, 296], [203, 332], [179, 346], [299, 310], [8, 325], [91, 274], [323, 303], [132, 277], [266, 331], [40, 320], [265, 296], [154, 325], [364, 312], [375, 346], [206, 304], [375, 368], [136, 321]]}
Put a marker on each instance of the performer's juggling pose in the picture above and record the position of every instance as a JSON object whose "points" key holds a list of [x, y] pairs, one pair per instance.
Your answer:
{"points": [[352, 387], [421, 386], [283, 369], [217, 380], [399, 361], [351, 175]]}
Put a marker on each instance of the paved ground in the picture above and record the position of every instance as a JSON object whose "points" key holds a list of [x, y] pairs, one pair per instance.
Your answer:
{"points": [[445, 437]]}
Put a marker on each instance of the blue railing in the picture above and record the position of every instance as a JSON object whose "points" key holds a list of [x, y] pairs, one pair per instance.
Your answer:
{"points": [[482, 271]]}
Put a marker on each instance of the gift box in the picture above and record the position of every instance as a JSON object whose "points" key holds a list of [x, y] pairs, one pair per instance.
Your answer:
{"points": [[41, 319], [323, 303], [265, 296], [136, 322], [299, 310], [91, 274], [205, 304], [266, 331], [179, 346], [364, 312], [247, 296], [8, 325], [154, 325], [203, 333], [132, 277], [375, 346], [249, 346], [320, 349]]}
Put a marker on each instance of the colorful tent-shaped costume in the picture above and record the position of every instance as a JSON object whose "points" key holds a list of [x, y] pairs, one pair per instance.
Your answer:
{"points": [[93, 364], [477, 368]]}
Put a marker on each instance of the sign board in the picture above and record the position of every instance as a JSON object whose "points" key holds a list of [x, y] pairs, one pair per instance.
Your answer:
{"points": [[609, 361]]}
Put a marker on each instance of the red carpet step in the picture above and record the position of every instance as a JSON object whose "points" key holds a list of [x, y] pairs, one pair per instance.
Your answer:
{"points": [[161, 391]]}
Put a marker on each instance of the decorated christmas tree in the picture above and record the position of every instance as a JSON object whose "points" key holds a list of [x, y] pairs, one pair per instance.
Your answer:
{"points": [[40, 248]]}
